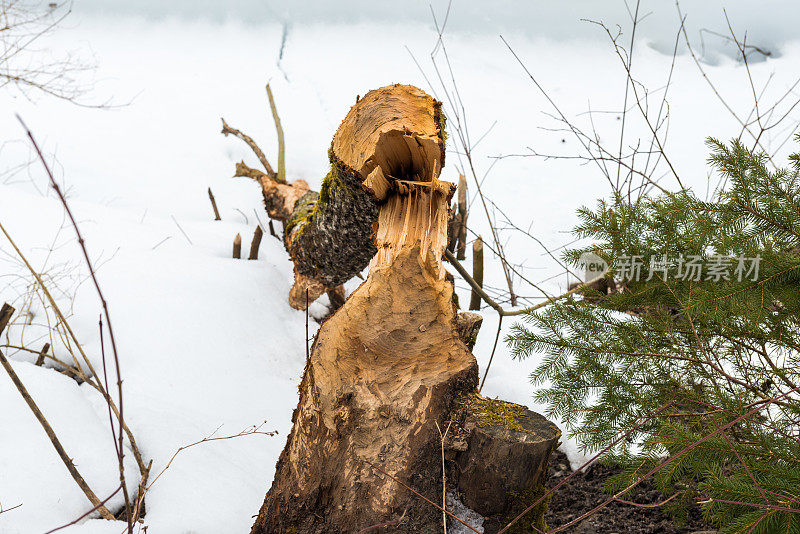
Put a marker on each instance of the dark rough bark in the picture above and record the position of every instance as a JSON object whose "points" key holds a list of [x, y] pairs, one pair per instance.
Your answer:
{"points": [[329, 236]]}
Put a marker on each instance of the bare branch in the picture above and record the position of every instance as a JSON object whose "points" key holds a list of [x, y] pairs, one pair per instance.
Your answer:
{"points": [[281, 176], [227, 130]]}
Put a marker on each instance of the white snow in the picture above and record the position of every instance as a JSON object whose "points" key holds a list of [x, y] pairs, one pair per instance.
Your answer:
{"points": [[208, 341]]}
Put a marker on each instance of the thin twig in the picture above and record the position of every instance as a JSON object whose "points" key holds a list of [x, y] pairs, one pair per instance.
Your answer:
{"points": [[214, 205], [384, 524], [412, 490], [4, 510], [181, 229], [161, 242], [491, 302], [494, 347], [78, 519], [250, 431], [444, 476], [106, 314], [281, 176]]}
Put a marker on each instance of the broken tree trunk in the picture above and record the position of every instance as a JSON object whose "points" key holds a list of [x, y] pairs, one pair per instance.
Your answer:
{"points": [[386, 372], [392, 134], [391, 370]]}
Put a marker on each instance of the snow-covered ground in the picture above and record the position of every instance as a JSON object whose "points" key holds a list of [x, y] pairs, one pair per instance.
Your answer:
{"points": [[207, 341]]}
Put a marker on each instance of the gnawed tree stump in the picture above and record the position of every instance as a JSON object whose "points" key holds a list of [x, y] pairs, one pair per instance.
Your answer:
{"points": [[501, 452], [384, 369], [392, 367]]}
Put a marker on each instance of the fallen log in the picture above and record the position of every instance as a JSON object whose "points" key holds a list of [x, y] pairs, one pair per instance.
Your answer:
{"points": [[391, 134]]}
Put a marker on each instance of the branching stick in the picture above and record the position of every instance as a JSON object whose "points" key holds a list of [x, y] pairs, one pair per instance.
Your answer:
{"points": [[226, 130]]}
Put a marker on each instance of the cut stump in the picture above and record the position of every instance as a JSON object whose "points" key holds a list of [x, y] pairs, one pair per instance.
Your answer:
{"points": [[502, 450]]}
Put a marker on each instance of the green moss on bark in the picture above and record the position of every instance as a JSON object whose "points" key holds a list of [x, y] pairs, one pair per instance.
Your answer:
{"points": [[441, 123], [497, 412], [533, 521], [329, 234]]}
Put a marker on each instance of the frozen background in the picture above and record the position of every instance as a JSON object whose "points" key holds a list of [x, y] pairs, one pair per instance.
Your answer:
{"points": [[209, 342]]}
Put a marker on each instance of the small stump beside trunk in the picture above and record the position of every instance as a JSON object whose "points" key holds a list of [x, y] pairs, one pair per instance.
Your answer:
{"points": [[500, 453]]}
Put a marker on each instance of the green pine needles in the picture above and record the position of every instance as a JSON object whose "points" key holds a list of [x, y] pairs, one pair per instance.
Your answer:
{"points": [[684, 361]]}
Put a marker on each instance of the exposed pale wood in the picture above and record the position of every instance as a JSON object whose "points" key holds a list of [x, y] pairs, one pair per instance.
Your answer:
{"points": [[477, 272], [395, 128], [384, 369], [416, 214], [237, 246], [377, 184], [392, 134], [392, 366]]}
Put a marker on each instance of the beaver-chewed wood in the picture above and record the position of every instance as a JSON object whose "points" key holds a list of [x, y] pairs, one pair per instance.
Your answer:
{"points": [[392, 133], [390, 371], [384, 371]]}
